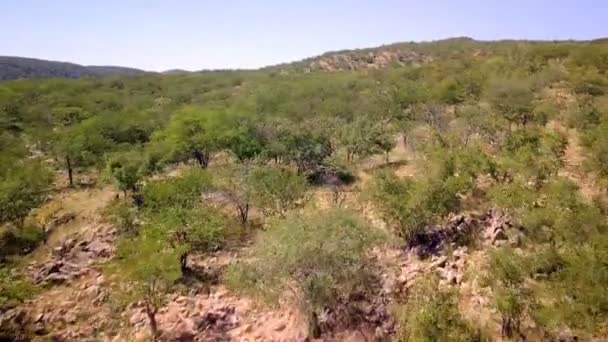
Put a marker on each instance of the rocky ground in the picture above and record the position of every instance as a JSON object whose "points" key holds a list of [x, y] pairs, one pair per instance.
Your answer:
{"points": [[76, 303]]}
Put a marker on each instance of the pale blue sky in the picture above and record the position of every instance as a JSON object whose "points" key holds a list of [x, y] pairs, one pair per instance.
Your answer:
{"points": [[160, 35]]}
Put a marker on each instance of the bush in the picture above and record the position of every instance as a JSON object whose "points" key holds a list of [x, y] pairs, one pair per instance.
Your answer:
{"points": [[13, 288], [124, 217], [183, 191], [431, 314], [508, 272], [574, 293], [414, 205], [320, 256], [19, 240], [23, 188], [276, 190]]}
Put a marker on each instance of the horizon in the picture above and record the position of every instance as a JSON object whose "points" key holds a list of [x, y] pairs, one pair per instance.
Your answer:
{"points": [[192, 36]]}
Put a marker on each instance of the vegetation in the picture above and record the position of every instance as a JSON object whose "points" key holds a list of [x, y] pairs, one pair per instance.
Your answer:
{"points": [[431, 314], [319, 257], [518, 126]]}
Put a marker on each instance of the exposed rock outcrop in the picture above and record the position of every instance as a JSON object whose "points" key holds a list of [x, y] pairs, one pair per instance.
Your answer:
{"points": [[74, 256]]}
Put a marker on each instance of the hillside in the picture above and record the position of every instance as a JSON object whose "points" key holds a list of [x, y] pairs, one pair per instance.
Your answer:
{"points": [[442, 191], [20, 67], [417, 53]]}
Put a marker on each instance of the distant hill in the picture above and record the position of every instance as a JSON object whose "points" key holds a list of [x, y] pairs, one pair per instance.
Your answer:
{"points": [[175, 72], [417, 53], [19, 67]]}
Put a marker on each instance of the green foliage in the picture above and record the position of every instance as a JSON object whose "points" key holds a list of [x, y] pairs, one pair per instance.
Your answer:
{"points": [[533, 155], [124, 216], [193, 229], [276, 190], [320, 256], [23, 188], [508, 274], [194, 132], [573, 293], [413, 205], [431, 314], [14, 289], [365, 136], [127, 168], [181, 192], [149, 269], [596, 142], [511, 98]]}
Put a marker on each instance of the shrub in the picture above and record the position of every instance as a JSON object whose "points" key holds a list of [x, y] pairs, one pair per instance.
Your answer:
{"points": [[414, 205], [574, 293], [276, 190], [123, 216], [23, 188], [183, 191], [508, 272], [14, 289], [431, 314], [320, 256]]}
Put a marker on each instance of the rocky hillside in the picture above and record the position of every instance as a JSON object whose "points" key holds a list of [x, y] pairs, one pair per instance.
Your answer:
{"points": [[406, 54], [19, 67]]}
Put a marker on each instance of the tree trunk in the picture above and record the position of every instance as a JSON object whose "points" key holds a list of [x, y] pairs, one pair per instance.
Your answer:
{"points": [[151, 312], [387, 156], [183, 262], [243, 212], [507, 328], [69, 166], [125, 193], [202, 158], [314, 329]]}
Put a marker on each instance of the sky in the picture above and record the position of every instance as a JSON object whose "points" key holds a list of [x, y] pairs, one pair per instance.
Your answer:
{"points": [[159, 35]]}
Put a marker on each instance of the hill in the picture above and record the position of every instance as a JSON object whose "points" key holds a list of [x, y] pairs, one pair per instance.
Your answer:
{"points": [[19, 67], [439, 191]]}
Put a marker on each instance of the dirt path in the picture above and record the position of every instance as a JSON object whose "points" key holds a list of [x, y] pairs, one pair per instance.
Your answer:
{"points": [[573, 159]]}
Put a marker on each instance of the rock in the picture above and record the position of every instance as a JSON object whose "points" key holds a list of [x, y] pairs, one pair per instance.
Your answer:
{"points": [[70, 318], [182, 300], [356, 336], [451, 276], [499, 235], [280, 327], [92, 291], [39, 329], [515, 240], [440, 262], [137, 317], [39, 317], [459, 277], [566, 336], [183, 331], [460, 252], [100, 280]]}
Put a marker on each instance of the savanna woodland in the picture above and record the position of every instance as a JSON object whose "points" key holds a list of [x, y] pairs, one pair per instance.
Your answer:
{"points": [[445, 191]]}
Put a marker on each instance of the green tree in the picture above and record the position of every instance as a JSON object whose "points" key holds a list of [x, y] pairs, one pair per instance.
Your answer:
{"points": [[23, 188], [150, 268], [196, 132], [319, 256], [276, 190], [199, 229], [511, 98], [127, 169], [81, 145]]}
